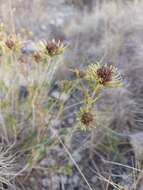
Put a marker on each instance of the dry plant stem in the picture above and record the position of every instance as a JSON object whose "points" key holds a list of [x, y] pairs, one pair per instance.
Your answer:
{"points": [[76, 165], [102, 178], [92, 144], [3, 126], [115, 163], [108, 181], [11, 16], [63, 103], [97, 170], [25, 168], [107, 186], [74, 105], [95, 96], [137, 181]]}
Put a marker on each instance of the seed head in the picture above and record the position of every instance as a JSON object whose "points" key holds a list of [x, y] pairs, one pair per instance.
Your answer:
{"points": [[86, 118], [52, 48], [37, 56], [105, 74], [10, 43], [23, 59]]}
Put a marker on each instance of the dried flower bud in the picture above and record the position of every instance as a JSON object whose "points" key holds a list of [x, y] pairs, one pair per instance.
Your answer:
{"points": [[105, 74], [86, 118], [23, 59], [37, 56], [10, 43], [52, 48]]}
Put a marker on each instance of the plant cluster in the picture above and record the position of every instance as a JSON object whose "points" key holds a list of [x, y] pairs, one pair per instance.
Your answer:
{"points": [[92, 81], [27, 110]]}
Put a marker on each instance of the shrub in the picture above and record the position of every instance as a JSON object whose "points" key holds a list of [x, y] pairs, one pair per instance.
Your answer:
{"points": [[27, 111]]}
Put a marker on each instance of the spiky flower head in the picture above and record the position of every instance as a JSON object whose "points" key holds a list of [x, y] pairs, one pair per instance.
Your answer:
{"points": [[10, 43], [106, 75], [13, 42], [52, 48], [37, 56], [86, 118]]}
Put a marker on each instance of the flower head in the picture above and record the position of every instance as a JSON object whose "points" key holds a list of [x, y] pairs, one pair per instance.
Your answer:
{"points": [[10, 43], [13, 42], [37, 56], [104, 75], [86, 118], [52, 48], [23, 59]]}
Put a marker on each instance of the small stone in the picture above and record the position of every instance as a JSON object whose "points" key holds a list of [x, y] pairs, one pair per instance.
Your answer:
{"points": [[59, 21], [44, 162], [126, 180], [76, 156], [70, 120], [55, 94], [64, 97], [43, 27], [58, 95], [70, 180], [94, 179], [75, 179], [55, 181], [45, 182], [136, 141], [32, 179], [55, 122], [29, 47], [48, 162], [64, 179]]}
